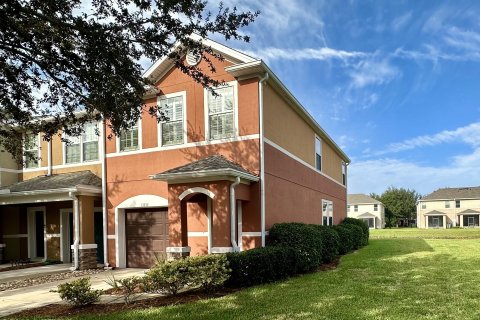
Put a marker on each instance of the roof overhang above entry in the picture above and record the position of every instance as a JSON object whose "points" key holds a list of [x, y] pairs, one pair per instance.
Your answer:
{"points": [[435, 213], [49, 195], [205, 175]]}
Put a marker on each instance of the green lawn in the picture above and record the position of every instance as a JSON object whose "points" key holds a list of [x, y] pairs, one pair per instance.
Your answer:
{"points": [[404, 278], [454, 233]]}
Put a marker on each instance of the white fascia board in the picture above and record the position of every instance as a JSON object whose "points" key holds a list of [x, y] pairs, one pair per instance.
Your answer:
{"points": [[205, 174], [257, 66]]}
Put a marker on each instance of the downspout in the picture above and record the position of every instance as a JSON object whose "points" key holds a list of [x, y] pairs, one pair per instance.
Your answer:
{"points": [[49, 158], [262, 158], [76, 243], [104, 197], [233, 221]]}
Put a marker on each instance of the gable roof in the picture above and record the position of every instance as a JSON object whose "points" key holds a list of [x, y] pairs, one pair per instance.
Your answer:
{"points": [[246, 66], [54, 182], [453, 193], [367, 215], [435, 213], [464, 212], [211, 166], [360, 198]]}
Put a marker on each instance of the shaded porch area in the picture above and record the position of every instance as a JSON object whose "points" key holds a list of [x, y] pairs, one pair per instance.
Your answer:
{"points": [[57, 218], [369, 219], [436, 219], [469, 218]]}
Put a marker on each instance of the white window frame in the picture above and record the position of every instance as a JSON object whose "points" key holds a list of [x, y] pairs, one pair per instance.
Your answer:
{"points": [[459, 204], [235, 111], [139, 125], [183, 94], [329, 212], [82, 160], [447, 204], [348, 208], [317, 138], [375, 207], [424, 205], [25, 150]]}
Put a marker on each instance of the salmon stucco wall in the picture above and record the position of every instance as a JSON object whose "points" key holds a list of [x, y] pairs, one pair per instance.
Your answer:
{"points": [[294, 192]]}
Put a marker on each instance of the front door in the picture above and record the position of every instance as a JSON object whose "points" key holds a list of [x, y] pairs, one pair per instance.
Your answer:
{"points": [[39, 234], [98, 234]]}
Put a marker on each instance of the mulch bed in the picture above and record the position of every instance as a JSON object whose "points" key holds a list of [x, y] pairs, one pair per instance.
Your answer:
{"points": [[63, 310]]}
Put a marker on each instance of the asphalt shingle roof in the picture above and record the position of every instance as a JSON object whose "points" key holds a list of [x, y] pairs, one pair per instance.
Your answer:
{"points": [[57, 181], [454, 193], [360, 198], [215, 162]]}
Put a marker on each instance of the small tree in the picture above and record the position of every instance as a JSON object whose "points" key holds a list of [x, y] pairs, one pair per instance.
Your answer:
{"points": [[400, 203]]}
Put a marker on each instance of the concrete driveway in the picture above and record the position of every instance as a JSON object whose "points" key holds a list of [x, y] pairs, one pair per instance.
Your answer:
{"points": [[13, 301]]}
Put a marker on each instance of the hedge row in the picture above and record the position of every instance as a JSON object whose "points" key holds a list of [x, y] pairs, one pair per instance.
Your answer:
{"points": [[294, 248]]}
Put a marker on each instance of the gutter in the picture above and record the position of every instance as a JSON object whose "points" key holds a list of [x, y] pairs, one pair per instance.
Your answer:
{"points": [[104, 198], [233, 220], [262, 157], [76, 243]]}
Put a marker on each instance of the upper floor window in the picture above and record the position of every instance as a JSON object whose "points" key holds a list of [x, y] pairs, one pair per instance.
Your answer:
{"points": [[31, 150], [172, 128], [348, 208], [129, 139], [327, 212], [221, 113], [355, 208], [83, 148], [375, 207], [447, 204], [424, 205], [318, 153], [344, 173], [457, 203]]}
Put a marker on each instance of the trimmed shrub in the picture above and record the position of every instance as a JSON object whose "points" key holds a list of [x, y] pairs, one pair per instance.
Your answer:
{"points": [[345, 235], [305, 240], [363, 225], [330, 243], [356, 235], [129, 286], [79, 292], [208, 272], [167, 277], [261, 265]]}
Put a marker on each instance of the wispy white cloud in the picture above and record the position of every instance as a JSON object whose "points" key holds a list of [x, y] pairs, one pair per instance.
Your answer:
{"points": [[322, 54], [469, 134], [401, 21], [372, 72]]}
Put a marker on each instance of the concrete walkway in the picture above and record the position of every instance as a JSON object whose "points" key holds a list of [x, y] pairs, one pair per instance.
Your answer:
{"points": [[13, 301], [6, 276]]}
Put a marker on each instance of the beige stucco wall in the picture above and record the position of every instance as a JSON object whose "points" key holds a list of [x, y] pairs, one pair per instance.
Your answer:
{"points": [[439, 205], [7, 163], [364, 208], [286, 128]]}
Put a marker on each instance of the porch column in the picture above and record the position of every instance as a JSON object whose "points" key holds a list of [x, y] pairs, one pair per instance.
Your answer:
{"points": [[444, 222], [177, 225], [221, 241], [426, 222], [87, 249], [461, 221]]}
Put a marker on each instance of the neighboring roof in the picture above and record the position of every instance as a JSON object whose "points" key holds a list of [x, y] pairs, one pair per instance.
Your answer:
{"points": [[215, 165], [435, 213], [245, 65], [56, 181], [367, 215], [468, 211], [360, 198], [454, 193]]}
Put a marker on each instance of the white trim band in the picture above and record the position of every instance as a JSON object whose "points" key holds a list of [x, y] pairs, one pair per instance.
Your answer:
{"points": [[178, 249], [222, 249], [85, 246], [252, 234], [52, 235], [112, 237]]}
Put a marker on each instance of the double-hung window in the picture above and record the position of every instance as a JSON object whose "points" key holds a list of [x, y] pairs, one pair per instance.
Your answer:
{"points": [[355, 208], [30, 148], [129, 139], [221, 118], [344, 173], [375, 207], [327, 212], [83, 148], [447, 204], [172, 127], [318, 153], [457, 203]]}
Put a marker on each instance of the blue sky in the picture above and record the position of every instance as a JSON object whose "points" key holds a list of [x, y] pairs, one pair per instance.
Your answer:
{"points": [[395, 83]]}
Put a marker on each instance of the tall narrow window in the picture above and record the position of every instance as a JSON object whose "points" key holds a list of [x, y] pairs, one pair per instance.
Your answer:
{"points": [[90, 142], [355, 208], [318, 153], [73, 150], [344, 173], [129, 139], [457, 203], [172, 127], [447, 204], [348, 208], [30, 148], [375, 207], [327, 212], [221, 113]]}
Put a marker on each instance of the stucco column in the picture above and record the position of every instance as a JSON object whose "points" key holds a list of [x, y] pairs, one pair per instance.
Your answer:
{"points": [[426, 222], [221, 241], [87, 251], [444, 222], [461, 221], [177, 224]]}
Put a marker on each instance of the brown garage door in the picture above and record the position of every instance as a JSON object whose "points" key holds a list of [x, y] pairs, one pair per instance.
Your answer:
{"points": [[147, 236]]}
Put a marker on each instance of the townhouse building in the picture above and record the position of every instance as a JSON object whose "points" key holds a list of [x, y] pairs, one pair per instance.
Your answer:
{"points": [[212, 178], [368, 209], [450, 207]]}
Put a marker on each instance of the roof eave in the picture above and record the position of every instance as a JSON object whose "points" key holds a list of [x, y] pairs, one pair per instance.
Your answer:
{"points": [[169, 177]]}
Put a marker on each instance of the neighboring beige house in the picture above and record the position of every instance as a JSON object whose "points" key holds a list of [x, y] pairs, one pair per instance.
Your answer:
{"points": [[366, 208], [449, 207]]}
